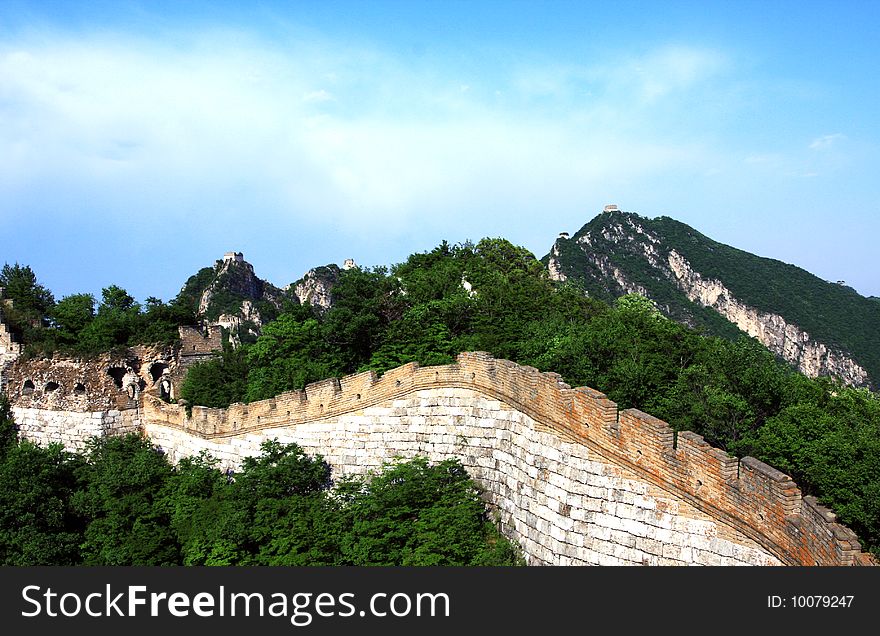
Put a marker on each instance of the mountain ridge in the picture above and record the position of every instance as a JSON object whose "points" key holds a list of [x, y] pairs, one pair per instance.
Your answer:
{"points": [[822, 328], [231, 295]]}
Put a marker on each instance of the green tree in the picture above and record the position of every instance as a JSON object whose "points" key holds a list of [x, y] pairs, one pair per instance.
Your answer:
{"points": [[274, 511], [27, 314], [123, 480], [415, 513], [159, 323], [71, 315], [32, 300], [218, 382], [117, 320], [364, 304], [831, 447], [38, 525], [421, 335], [434, 275], [290, 353], [293, 520], [210, 524], [8, 428]]}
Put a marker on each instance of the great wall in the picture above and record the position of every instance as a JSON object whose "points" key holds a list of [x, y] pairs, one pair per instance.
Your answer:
{"points": [[572, 479]]}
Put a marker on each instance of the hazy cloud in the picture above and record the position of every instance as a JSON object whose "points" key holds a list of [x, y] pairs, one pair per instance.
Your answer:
{"points": [[155, 128], [161, 139], [826, 141], [318, 96]]}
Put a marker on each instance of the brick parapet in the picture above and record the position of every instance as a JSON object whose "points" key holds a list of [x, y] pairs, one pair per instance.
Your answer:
{"points": [[748, 495]]}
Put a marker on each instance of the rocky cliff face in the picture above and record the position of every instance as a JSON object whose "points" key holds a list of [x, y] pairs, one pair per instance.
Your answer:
{"points": [[554, 268], [232, 296], [619, 253], [234, 289], [782, 338], [315, 287], [246, 320]]}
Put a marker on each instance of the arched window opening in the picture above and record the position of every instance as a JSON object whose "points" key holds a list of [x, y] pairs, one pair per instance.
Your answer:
{"points": [[117, 373], [156, 370]]}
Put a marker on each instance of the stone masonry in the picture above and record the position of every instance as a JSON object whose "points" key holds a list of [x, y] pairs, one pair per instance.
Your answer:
{"points": [[560, 465], [564, 503], [572, 479], [10, 350], [74, 429]]}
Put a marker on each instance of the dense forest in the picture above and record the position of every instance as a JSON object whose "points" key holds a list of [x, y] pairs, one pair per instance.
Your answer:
{"points": [[496, 297]]}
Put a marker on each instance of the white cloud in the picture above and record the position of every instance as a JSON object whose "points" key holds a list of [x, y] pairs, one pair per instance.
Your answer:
{"points": [[318, 96], [826, 141], [665, 72], [316, 134], [762, 158], [675, 69]]}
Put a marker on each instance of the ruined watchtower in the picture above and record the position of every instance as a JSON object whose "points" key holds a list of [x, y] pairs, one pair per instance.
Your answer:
{"points": [[9, 348]]}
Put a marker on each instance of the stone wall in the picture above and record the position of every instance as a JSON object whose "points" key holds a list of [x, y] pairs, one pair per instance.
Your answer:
{"points": [[571, 476], [572, 479], [107, 382], [73, 428], [10, 350], [195, 343], [562, 502]]}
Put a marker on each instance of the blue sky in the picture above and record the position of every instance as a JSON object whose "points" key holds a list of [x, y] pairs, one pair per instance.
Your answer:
{"points": [[139, 141]]}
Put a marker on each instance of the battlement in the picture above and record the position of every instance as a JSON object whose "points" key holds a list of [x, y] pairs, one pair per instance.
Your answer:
{"points": [[747, 495]]}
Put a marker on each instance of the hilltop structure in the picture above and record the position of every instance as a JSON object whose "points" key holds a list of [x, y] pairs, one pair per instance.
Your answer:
{"points": [[9, 348]]}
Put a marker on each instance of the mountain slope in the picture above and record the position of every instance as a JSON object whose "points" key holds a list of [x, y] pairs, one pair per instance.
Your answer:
{"points": [[821, 328], [231, 295], [314, 288]]}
